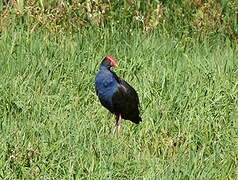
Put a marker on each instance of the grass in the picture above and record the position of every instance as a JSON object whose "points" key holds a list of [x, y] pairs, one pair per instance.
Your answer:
{"points": [[52, 125]]}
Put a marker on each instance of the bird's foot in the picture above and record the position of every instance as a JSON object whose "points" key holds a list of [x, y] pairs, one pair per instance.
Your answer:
{"points": [[116, 129]]}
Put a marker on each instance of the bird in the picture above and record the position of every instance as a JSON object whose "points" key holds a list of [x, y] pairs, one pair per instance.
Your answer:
{"points": [[116, 95]]}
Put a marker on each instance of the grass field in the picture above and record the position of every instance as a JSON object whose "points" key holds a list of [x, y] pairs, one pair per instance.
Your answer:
{"points": [[52, 125]]}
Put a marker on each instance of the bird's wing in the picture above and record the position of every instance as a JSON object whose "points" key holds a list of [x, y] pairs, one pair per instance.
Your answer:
{"points": [[126, 102], [128, 90]]}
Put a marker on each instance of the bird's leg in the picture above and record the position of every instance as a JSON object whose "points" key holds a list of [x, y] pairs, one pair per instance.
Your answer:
{"points": [[118, 124]]}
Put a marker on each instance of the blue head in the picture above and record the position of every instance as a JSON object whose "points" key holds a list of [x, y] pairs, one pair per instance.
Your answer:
{"points": [[108, 62]]}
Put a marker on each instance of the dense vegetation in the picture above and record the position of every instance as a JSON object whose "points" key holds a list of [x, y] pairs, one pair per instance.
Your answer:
{"points": [[180, 18], [181, 56]]}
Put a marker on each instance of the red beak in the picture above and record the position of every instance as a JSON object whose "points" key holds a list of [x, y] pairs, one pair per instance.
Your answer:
{"points": [[114, 64]]}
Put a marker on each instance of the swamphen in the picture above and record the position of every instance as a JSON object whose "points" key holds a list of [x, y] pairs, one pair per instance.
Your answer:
{"points": [[116, 95]]}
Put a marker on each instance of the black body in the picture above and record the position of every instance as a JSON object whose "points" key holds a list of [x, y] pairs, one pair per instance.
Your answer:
{"points": [[125, 101], [117, 95]]}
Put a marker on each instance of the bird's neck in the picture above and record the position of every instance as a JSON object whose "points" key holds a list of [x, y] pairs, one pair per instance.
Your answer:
{"points": [[104, 68]]}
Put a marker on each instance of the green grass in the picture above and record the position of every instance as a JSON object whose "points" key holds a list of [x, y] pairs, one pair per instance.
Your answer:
{"points": [[52, 125]]}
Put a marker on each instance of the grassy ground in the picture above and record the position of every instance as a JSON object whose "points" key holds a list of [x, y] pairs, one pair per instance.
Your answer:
{"points": [[53, 126]]}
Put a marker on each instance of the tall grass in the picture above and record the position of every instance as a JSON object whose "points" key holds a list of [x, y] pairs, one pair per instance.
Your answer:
{"points": [[53, 126]]}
